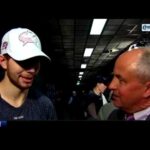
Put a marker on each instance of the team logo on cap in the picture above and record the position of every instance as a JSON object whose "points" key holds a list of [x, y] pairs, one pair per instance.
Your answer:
{"points": [[4, 45], [28, 37]]}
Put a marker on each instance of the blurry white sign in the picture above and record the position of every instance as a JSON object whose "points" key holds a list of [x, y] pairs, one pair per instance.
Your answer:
{"points": [[145, 27]]}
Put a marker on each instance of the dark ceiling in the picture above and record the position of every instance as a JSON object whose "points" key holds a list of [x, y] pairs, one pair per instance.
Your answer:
{"points": [[65, 40]]}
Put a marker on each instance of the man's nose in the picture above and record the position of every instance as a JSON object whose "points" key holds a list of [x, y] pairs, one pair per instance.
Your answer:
{"points": [[113, 84]]}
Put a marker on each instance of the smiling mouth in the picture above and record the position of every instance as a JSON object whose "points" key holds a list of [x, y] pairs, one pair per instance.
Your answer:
{"points": [[27, 79]]}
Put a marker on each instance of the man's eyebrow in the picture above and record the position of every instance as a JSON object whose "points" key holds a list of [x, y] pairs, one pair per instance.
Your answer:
{"points": [[118, 76]]}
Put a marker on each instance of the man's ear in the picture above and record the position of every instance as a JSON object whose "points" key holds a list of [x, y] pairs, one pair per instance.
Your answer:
{"points": [[147, 90], [3, 61]]}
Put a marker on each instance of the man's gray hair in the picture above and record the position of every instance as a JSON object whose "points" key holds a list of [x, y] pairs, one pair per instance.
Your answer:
{"points": [[143, 65]]}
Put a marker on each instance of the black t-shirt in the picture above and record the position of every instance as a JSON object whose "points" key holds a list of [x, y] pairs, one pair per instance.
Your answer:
{"points": [[36, 107]]}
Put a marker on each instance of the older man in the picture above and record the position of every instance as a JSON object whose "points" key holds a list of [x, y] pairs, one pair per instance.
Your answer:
{"points": [[131, 86]]}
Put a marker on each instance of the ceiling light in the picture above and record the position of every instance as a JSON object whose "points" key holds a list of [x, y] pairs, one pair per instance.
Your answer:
{"points": [[80, 77], [78, 83], [88, 52], [81, 73], [97, 26], [83, 66], [133, 46], [114, 50]]}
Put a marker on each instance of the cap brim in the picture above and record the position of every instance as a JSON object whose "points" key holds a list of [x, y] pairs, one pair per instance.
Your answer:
{"points": [[28, 55]]}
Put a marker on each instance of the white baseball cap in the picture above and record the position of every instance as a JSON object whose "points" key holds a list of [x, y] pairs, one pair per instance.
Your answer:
{"points": [[21, 44]]}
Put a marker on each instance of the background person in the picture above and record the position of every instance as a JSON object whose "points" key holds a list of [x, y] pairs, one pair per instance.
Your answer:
{"points": [[95, 99]]}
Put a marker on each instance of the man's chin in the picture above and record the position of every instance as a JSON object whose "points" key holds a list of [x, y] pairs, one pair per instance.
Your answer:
{"points": [[116, 104], [27, 86]]}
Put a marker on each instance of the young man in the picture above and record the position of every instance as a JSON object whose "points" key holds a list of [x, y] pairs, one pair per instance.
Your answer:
{"points": [[95, 99], [20, 60], [131, 86]]}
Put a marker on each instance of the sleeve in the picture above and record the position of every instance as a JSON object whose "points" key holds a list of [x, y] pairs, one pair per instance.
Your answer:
{"points": [[47, 108]]}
